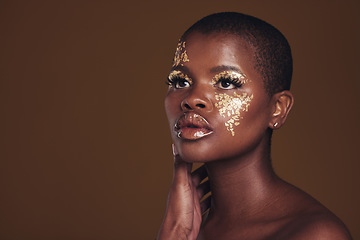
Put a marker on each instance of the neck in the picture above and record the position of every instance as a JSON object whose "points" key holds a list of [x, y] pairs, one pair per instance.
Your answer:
{"points": [[244, 185]]}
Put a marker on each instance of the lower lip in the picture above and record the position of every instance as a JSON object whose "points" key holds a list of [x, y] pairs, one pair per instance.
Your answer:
{"points": [[188, 133]]}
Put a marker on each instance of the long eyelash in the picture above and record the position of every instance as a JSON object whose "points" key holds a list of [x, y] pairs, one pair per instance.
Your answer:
{"points": [[236, 81], [233, 77], [172, 81], [169, 82], [175, 76]]}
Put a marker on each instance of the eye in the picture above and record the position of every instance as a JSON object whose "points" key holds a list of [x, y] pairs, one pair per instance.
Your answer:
{"points": [[182, 83], [228, 83], [178, 80], [178, 83]]}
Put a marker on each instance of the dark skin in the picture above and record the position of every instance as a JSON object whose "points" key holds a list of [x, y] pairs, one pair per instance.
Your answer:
{"points": [[248, 200]]}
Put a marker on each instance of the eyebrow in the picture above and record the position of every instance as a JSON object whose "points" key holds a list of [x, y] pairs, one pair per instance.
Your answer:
{"points": [[225, 68], [216, 69], [179, 68]]}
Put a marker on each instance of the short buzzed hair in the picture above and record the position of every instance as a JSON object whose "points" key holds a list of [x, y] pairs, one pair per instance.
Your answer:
{"points": [[273, 58]]}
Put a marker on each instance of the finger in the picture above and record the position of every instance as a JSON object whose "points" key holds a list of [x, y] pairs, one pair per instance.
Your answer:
{"points": [[203, 189], [174, 150], [181, 170], [198, 175], [180, 166], [205, 204]]}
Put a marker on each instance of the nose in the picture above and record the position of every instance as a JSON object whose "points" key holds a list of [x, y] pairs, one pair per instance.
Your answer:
{"points": [[197, 99]]}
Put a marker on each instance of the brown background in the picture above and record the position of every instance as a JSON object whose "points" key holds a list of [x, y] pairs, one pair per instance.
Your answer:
{"points": [[85, 147]]}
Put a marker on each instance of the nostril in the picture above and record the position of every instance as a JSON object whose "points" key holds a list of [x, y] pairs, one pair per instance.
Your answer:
{"points": [[200, 105], [187, 106]]}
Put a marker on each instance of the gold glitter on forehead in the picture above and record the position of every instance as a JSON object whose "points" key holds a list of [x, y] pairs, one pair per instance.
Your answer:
{"points": [[179, 74], [236, 76], [180, 55], [231, 106]]}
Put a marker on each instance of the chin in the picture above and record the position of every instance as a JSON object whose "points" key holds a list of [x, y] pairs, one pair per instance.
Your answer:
{"points": [[193, 157], [195, 151]]}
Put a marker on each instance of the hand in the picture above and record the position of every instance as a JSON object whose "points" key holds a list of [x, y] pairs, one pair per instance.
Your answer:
{"points": [[184, 211]]}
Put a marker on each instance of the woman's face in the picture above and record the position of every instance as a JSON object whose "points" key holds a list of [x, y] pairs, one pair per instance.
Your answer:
{"points": [[216, 104]]}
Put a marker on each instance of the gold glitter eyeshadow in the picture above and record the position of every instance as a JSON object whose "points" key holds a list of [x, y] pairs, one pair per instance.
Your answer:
{"points": [[180, 55], [179, 74], [234, 76], [231, 106]]}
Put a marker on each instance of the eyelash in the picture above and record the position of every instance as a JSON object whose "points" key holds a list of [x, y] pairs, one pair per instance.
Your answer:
{"points": [[234, 81], [172, 82]]}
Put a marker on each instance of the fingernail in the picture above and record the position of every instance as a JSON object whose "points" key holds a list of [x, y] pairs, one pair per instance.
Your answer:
{"points": [[175, 152]]}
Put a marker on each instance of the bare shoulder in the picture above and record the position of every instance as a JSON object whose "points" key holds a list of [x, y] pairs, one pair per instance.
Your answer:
{"points": [[318, 226], [313, 221]]}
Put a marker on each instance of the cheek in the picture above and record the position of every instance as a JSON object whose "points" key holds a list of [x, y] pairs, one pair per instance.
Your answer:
{"points": [[168, 105], [172, 106], [232, 107]]}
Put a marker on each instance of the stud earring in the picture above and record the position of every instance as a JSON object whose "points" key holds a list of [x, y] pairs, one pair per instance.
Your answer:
{"points": [[275, 124]]}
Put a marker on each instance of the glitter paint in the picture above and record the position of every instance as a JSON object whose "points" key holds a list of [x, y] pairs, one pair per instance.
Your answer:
{"points": [[232, 106], [234, 76], [179, 74], [180, 55]]}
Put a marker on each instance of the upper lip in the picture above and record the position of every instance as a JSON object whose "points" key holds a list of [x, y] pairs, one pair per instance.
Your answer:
{"points": [[192, 120]]}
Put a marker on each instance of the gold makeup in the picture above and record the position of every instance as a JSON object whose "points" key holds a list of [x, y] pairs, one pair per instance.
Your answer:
{"points": [[176, 75], [180, 55], [232, 106], [233, 76]]}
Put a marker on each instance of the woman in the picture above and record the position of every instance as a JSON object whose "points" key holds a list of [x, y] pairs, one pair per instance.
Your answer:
{"points": [[228, 90]]}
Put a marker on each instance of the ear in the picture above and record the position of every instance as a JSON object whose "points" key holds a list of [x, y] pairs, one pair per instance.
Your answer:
{"points": [[282, 104]]}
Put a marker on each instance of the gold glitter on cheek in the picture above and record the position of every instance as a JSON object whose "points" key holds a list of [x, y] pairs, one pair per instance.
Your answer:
{"points": [[232, 106], [180, 55]]}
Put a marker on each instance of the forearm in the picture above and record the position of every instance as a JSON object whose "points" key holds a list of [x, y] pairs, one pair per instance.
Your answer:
{"points": [[172, 230]]}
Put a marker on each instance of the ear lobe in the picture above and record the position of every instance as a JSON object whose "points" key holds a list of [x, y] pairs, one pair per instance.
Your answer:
{"points": [[283, 102]]}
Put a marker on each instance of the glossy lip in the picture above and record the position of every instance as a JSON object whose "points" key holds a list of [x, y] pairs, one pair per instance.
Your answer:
{"points": [[192, 126]]}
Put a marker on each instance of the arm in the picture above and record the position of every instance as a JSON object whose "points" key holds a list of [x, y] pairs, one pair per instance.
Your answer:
{"points": [[183, 213]]}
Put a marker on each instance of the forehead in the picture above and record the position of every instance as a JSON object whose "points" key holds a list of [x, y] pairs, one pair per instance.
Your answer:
{"points": [[208, 51]]}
